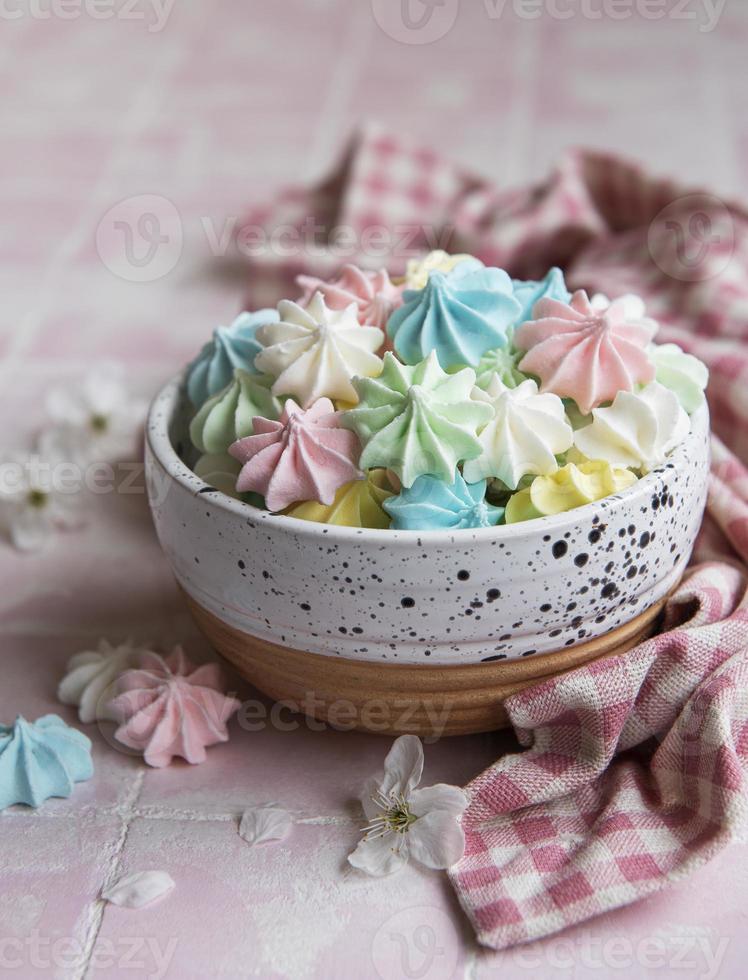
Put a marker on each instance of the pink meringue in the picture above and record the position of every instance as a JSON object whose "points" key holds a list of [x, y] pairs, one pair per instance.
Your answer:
{"points": [[374, 294], [585, 352], [170, 707], [306, 455]]}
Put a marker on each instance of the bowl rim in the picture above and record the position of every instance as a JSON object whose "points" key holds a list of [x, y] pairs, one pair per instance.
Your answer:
{"points": [[157, 437]]}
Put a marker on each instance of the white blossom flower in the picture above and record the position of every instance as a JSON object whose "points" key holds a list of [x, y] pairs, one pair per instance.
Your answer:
{"points": [[407, 822], [39, 493], [98, 414]]}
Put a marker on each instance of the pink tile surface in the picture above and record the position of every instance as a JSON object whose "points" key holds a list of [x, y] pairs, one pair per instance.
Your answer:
{"points": [[210, 112]]}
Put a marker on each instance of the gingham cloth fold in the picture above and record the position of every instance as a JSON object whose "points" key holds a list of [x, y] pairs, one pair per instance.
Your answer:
{"points": [[611, 226], [634, 768]]}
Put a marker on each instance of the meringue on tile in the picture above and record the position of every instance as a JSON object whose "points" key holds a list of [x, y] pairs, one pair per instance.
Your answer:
{"points": [[168, 707], [41, 759]]}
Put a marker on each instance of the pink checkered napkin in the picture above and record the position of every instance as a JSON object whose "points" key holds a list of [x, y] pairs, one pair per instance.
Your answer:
{"points": [[634, 768], [634, 774], [607, 223]]}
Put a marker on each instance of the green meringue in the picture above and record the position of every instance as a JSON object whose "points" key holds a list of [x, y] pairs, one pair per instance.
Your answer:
{"points": [[501, 361], [682, 373], [417, 419], [227, 416], [221, 471]]}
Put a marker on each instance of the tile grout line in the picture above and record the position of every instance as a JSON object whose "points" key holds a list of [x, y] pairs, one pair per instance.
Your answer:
{"points": [[92, 917], [130, 811]]}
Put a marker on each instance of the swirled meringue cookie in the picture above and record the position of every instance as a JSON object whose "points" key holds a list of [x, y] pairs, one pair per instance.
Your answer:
{"points": [[373, 293], [220, 471], [586, 353], [356, 504], [418, 270], [306, 455], [526, 433], [638, 430], [529, 291], [460, 315], [230, 348], [573, 485], [417, 420], [314, 352], [41, 759], [682, 373], [432, 504], [227, 416]]}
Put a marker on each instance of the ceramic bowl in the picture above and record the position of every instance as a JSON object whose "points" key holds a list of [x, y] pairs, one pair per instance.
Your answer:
{"points": [[295, 603]]}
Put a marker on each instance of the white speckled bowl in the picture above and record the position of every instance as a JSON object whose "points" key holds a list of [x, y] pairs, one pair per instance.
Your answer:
{"points": [[403, 597]]}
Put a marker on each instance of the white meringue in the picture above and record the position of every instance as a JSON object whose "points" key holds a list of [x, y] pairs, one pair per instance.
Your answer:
{"points": [[632, 306], [314, 352], [527, 431], [88, 684], [638, 430]]}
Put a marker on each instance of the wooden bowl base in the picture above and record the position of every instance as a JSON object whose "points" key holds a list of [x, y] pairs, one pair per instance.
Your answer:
{"points": [[395, 699]]}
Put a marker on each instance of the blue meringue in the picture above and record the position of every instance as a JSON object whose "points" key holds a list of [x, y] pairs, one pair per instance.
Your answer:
{"points": [[229, 348], [41, 759], [460, 315], [528, 291], [430, 504]]}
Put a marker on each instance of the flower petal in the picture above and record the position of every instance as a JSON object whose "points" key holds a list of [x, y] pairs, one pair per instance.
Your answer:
{"points": [[265, 823], [449, 799], [436, 840], [368, 793], [403, 766], [380, 856], [139, 889]]}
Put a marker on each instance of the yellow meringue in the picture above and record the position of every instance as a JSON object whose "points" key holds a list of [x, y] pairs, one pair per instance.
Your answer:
{"points": [[569, 487], [418, 270], [356, 504]]}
